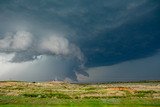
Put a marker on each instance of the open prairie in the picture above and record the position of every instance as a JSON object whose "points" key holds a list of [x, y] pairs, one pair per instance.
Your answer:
{"points": [[47, 94]]}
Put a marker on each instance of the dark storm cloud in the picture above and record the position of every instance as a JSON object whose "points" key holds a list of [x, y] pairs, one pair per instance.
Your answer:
{"points": [[90, 32], [141, 69]]}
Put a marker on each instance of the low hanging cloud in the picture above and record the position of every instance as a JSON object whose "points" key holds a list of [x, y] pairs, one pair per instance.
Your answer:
{"points": [[60, 46], [24, 42], [26, 48]]}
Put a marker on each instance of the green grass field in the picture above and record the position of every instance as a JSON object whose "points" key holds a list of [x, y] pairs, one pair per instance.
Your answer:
{"points": [[61, 94]]}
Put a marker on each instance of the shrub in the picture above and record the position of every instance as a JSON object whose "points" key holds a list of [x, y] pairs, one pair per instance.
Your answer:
{"points": [[50, 95]]}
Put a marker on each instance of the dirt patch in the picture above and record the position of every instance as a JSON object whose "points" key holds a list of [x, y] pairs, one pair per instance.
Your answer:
{"points": [[131, 90]]}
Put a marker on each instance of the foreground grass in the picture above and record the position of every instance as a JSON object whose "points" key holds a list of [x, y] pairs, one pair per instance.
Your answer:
{"points": [[64, 94]]}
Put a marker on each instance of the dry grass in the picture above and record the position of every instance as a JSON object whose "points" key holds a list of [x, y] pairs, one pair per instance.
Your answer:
{"points": [[80, 90], [62, 90]]}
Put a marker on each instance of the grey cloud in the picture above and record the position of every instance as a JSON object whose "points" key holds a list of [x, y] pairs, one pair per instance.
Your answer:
{"points": [[22, 43], [27, 48]]}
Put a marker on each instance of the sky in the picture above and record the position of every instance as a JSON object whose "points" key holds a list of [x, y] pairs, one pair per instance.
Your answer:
{"points": [[80, 41]]}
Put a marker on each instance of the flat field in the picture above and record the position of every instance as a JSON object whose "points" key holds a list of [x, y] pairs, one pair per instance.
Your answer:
{"points": [[62, 94]]}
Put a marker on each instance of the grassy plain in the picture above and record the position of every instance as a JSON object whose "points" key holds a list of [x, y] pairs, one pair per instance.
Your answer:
{"points": [[62, 94]]}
